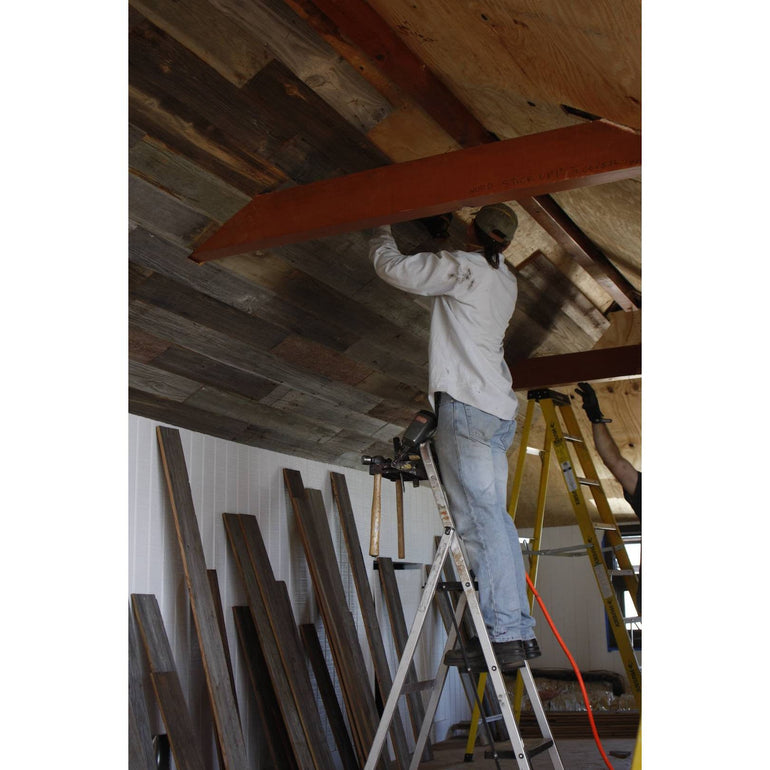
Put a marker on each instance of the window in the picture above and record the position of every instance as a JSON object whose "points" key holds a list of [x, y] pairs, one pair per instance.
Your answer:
{"points": [[632, 539]]}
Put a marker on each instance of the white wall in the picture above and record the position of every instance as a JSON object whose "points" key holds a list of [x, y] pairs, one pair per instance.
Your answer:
{"points": [[226, 477]]}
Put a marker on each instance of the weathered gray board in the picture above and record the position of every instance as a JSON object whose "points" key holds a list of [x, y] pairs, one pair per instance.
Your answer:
{"points": [[140, 755], [165, 680], [222, 698]]}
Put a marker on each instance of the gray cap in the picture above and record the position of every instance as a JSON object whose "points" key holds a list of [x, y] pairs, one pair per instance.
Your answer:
{"points": [[498, 221]]}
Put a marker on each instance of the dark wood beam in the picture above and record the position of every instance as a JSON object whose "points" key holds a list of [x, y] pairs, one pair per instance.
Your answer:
{"points": [[548, 214], [537, 164], [552, 371]]}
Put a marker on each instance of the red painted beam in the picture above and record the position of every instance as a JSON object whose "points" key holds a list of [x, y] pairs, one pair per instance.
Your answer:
{"points": [[552, 371], [536, 164]]}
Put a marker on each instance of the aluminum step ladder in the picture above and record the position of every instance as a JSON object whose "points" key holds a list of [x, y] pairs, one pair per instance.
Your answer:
{"points": [[450, 543]]}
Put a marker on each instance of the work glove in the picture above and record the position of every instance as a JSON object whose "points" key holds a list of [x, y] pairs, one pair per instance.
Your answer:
{"points": [[590, 403], [437, 226]]}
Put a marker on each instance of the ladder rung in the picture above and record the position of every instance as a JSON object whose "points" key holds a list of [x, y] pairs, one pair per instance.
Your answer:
{"points": [[635, 619], [589, 482], [605, 527], [621, 572], [573, 439], [532, 751], [533, 450]]}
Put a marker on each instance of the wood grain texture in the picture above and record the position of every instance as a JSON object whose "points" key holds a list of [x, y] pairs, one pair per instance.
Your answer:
{"points": [[273, 729], [165, 681], [204, 613], [140, 753], [325, 685], [368, 609]]}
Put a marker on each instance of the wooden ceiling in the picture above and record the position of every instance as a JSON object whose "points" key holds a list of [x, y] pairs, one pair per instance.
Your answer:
{"points": [[300, 348]]}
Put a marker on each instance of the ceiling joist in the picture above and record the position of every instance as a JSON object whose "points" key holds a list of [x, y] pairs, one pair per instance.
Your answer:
{"points": [[564, 159]]}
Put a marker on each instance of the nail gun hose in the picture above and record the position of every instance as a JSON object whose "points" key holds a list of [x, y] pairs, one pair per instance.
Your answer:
{"points": [[575, 667]]}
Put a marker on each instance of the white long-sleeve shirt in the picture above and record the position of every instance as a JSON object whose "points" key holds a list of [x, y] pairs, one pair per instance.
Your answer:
{"points": [[472, 305]]}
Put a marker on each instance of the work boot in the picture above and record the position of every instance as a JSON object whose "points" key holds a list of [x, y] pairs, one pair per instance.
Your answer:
{"points": [[509, 655], [531, 649]]}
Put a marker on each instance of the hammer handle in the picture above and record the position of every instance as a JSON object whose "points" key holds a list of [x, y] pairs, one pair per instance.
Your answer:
{"points": [[400, 517], [374, 536]]}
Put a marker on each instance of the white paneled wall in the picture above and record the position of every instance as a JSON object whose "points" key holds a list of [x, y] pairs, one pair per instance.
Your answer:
{"points": [[226, 477]]}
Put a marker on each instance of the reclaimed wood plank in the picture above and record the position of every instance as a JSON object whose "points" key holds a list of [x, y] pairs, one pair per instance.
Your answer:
{"points": [[210, 34], [400, 635], [188, 134], [311, 60], [338, 621], [165, 681], [269, 644], [217, 597], [325, 685], [273, 728], [191, 549], [155, 253], [281, 617], [195, 186], [368, 610], [140, 754], [162, 384]]}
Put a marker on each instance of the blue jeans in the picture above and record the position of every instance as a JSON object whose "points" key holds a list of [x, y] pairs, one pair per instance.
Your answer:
{"points": [[470, 446]]}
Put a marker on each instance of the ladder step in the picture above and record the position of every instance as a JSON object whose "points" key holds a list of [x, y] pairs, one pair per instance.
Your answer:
{"points": [[605, 527], [573, 439], [621, 572], [589, 482], [634, 619], [532, 450]]}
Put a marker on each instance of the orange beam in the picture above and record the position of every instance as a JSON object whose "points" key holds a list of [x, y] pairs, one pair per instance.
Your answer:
{"points": [[552, 371], [564, 159]]}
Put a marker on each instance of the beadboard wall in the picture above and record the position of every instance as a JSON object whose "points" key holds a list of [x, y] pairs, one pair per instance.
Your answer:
{"points": [[226, 477]]}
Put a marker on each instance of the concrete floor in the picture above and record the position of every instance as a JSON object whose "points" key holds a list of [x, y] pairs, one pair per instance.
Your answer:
{"points": [[575, 753]]}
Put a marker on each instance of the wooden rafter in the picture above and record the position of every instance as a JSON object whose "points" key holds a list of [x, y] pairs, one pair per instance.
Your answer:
{"points": [[552, 371], [537, 164], [340, 21]]}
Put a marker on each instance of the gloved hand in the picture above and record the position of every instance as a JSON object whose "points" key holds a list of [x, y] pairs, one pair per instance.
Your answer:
{"points": [[590, 403]]}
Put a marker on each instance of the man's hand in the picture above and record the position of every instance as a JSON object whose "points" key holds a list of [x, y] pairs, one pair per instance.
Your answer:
{"points": [[590, 403]]}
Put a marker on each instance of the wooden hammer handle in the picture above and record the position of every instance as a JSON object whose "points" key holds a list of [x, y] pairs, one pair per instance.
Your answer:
{"points": [[374, 535], [400, 517]]}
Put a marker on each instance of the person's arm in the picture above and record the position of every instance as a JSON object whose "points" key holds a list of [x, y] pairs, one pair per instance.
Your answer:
{"points": [[605, 445], [608, 450], [426, 273]]}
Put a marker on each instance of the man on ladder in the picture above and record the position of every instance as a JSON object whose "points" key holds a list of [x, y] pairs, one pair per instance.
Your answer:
{"points": [[474, 295]]}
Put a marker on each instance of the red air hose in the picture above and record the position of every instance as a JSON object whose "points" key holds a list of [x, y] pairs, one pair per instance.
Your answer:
{"points": [[577, 672]]}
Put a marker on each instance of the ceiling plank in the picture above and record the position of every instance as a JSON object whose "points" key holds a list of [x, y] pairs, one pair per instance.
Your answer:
{"points": [[551, 217], [551, 371], [563, 159]]}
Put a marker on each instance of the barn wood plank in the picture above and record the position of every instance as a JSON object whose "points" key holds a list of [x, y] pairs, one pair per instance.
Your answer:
{"points": [[153, 252], [165, 681], [278, 604], [217, 597], [338, 621], [565, 158], [165, 215], [368, 610], [189, 135], [284, 684], [167, 386], [273, 728], [400, 635], [210, 34], [144, 347], [140, 754], [546, 278], [195, 186], [220, 347], [204, 370], [329, 697], [552, 371], [199, 307], [311, 60], [191, 549]]}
